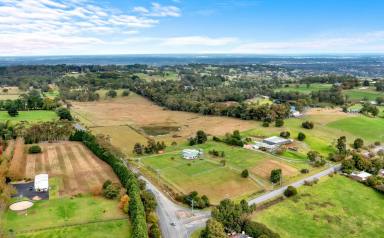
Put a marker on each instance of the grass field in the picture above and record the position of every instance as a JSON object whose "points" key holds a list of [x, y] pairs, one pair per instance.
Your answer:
{"points": [[303, 88], [67, 211], [169, 75], [12, 93], [123, 137], [30, 116], [336, 207], [78, 169], [208, 176], [367, 128], [358, 94]]}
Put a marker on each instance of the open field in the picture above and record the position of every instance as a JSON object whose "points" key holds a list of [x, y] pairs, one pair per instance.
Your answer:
{"points": [[30, 116], [371, 129], [336, 207], [209, 177], [18, 161], [169, 75], [103, 93], [358, 94], [143, 115], [64, 212], [79, 170], [11, 93], [303, 88]]}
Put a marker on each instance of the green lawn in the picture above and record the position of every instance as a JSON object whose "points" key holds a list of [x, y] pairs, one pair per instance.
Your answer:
{"points": [[30, 116], [112, 229], [358, 94], [62, 212], [336, 207], [52, 94], [303, 88], [370, 129]]}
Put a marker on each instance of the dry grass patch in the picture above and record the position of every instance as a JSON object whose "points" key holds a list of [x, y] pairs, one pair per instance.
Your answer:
{"points": [[264, 169], [18, 162], [80, 170]]}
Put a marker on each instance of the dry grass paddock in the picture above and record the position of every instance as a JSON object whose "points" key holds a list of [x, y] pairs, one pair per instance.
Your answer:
{"points": [[79, 169], [138, 112], [264, 169], [18, 162]]}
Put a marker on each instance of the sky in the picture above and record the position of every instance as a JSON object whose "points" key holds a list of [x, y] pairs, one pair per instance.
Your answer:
{"points": [[97, 27]]}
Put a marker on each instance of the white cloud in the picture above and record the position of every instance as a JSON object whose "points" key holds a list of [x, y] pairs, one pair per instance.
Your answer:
{"points": [[198, 41], [157, 10]]}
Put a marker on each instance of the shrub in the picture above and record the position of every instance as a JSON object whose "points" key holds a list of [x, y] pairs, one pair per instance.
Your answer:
{"points": [[125, 93], [245, 173], [301, 136], [290, 191], [154, 231], [358, 143], [304, 171], [111, 191], [34, 149], [265, 124], [275, 175], [285, 134], [64, 114], [255, 229], [12, 111], [112, 93], [279, 122], [307, 125]]}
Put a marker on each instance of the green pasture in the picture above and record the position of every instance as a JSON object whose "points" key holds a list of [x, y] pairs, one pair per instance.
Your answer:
{"points": [[30, 116], [304, 88], [358, 94], [335, 207]]}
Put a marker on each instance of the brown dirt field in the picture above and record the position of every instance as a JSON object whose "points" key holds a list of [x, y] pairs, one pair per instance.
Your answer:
{"points": [[18, 162], [80, 170], [264, 169], [137, 111], [10, 147], [324, 116]]}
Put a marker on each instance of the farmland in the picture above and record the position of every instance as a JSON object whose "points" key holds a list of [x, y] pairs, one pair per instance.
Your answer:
{"points": [[79, 170], [10, 93], [336, 207], [30, 116], [208, 176], [303, 88], [75, 216], [364, 93]]}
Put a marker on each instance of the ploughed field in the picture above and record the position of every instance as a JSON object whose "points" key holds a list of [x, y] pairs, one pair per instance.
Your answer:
{"points": [[78, 168]]}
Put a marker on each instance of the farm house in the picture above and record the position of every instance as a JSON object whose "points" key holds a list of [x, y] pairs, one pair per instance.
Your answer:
{"points": [[191, 154], [41, 183]]}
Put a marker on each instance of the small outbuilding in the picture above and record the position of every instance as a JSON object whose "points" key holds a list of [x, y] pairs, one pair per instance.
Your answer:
{"points": [[41, 183], [191, 154], [360, 175], [277, 141]]}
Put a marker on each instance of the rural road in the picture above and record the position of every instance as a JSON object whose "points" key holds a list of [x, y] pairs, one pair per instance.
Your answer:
{"points": [[167, 210]]}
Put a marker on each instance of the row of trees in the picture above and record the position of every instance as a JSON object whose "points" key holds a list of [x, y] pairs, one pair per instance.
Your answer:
{"points": [[151, 147], [30, 101], [127, 178]]}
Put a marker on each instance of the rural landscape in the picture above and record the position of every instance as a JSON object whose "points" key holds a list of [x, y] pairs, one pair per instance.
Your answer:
{"points": [[191, 119]]}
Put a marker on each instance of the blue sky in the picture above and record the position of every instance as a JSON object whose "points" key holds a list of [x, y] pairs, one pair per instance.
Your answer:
{"points": [[76, 27]]}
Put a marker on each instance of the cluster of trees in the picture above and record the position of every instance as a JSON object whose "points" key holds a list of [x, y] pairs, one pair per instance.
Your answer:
{"points": [[111, 190], [7, 131], [200, 138], [151, 147], [230, 217], [64, 114], [127, 178], [370, 109], [307, 125], [276, 176], [233, 138], [194, 200], [6, 190], [217, 153], [316, 159], [44, 131]]}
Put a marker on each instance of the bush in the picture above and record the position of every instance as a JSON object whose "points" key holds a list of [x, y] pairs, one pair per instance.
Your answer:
{"points": [[275, 175], [112, 93], [304, 171], [358, 143], [307, 125], [255, 229], [285, 134], [279, 122], [290, 191], [111, 191], [265, 124], [301, 136], [64, 114], [125, 93], [154, 231], [245, 173], [34, 149], [12, 111]]}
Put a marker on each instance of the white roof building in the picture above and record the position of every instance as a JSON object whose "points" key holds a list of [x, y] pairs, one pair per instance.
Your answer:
{"points": [[276, 140], [41, 183], [191, 154], [360, 175]]}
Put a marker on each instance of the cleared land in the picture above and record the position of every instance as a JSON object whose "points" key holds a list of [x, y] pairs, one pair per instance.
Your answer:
{"points": [[303, 88], [140, 113], [18, 162], [168, 75], [30, 116], [70, 216], [209, 177], [336, 207], [358, 94], [78, 168], [10, 93]]}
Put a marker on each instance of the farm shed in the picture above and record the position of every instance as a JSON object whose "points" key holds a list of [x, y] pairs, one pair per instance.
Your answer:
{"points": [[360, 175], [191, 154], [41, 183], [276, 141]]}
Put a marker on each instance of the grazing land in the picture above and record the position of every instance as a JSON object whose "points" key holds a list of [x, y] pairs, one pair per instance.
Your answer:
{"points": [[363, 93], [30, 116], [208, 176], [70, 216], [168, 75], [79, 170], [336, 207], [10, 93], [303, 88], [18, 161], [143, 115]]}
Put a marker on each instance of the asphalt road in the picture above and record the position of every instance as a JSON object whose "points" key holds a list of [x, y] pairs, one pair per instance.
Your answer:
{"points": [[183, 227]]}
